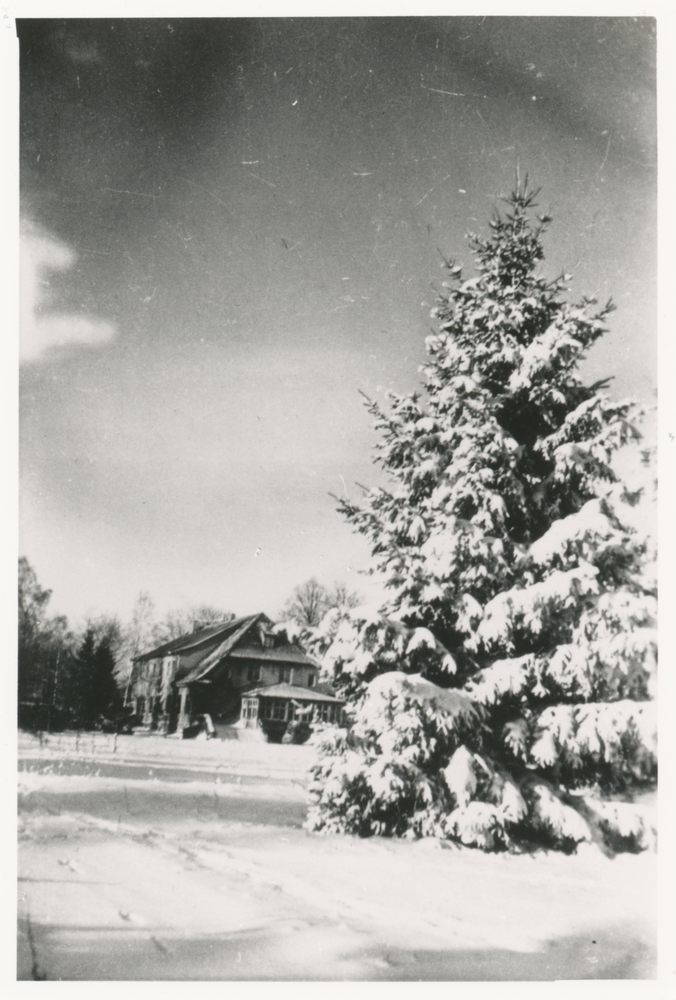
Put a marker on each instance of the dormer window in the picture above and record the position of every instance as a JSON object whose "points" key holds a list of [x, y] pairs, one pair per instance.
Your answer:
{"points": [[267, 639]]}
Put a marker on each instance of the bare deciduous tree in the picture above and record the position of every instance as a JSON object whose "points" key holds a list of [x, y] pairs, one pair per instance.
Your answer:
{"points": [[311, 600]]}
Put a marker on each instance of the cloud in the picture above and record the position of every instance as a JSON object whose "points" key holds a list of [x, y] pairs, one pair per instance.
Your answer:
{"points": [[84, 53], [40, 328], [80, 50]]}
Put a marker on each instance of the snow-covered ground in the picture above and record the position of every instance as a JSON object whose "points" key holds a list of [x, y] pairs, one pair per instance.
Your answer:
{"points": [[150, 858]]}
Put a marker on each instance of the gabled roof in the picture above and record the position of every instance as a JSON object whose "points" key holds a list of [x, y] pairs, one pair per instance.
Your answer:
{"points": [[192, 640], [199, 672], [233, 638], [292, 691]]}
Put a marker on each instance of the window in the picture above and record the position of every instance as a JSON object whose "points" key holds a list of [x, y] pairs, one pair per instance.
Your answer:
{"points": [[253, 672], [266, 637], [279, 710], [249, 708], [286, 675], [311, 680], [325, 713]]}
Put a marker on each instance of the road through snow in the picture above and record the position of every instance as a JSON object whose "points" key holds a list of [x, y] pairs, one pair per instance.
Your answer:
{"points": [[170, 861]]}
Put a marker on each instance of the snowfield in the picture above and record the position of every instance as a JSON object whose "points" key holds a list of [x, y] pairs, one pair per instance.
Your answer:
{"points": [[143, 858]]}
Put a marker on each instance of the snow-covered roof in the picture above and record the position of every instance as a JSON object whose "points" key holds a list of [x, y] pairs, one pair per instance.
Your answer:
{"points": [[292, 691]]}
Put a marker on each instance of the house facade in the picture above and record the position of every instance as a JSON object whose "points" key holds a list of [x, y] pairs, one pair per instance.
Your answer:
{"points": [[238, 673]]}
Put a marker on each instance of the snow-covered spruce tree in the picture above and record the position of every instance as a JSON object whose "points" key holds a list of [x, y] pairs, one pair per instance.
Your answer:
{"points": [[513, 660]]}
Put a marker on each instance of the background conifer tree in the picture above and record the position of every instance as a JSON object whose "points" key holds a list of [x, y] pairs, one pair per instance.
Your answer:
{"points": [[513, 576], [45, 658], [98, 696]]}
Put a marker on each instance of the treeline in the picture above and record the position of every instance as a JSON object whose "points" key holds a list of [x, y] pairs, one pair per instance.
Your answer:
{"points": [[63, 680]]}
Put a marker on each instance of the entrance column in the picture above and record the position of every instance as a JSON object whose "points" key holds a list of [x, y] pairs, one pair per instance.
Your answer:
{"points": [[183, 717]]}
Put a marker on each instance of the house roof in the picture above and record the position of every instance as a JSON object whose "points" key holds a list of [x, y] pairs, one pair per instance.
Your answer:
{"points": [[204, 667], [236, 638], [192, 640], [292, 691]]}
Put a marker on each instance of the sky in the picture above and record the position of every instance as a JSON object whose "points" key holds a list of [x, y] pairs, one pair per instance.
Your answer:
{"points": [[231, 227]]}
